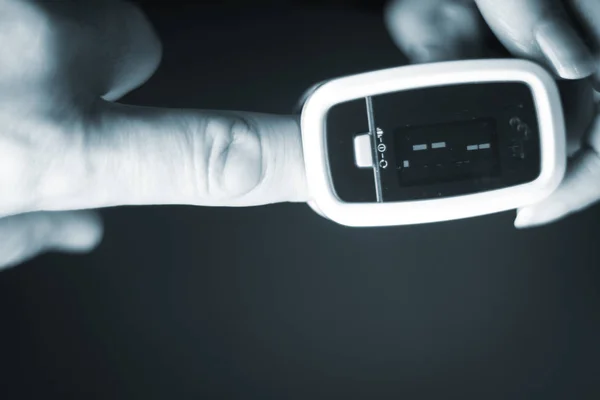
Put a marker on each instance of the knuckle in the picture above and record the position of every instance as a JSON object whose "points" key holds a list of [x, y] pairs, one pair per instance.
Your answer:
{"points": [[18, 183], [36, 161], [234, 162]]}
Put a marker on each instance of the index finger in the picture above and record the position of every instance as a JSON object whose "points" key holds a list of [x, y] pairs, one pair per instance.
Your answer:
{"points": [[128, 155]]}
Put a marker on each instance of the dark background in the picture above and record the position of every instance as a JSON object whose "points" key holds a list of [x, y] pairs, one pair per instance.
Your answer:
{"points": [[277, 303]]}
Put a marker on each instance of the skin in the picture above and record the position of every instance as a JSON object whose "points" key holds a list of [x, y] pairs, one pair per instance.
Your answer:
{"points": [[64, 65]]}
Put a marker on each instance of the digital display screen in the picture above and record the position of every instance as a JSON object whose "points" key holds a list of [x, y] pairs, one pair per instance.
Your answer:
{"points": [[434, 142], [448, 152]]}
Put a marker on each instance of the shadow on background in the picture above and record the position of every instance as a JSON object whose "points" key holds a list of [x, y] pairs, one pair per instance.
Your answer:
{"points": [[276, 302]]}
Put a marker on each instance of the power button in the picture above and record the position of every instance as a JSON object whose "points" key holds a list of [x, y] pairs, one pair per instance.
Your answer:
{"points": [[363, 154]]}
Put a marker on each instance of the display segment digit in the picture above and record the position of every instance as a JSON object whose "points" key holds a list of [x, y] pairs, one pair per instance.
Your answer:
{"points": [[438, 153]]}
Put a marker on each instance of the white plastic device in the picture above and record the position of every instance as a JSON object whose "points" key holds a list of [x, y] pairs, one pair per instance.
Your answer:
{"points": [[550, 122]]}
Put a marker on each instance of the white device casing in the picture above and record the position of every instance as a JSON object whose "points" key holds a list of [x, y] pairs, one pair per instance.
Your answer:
{"points": [[548, 107]]}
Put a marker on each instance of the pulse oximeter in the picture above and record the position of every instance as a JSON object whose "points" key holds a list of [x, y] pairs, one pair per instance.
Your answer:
{"points": [[433, 142]]}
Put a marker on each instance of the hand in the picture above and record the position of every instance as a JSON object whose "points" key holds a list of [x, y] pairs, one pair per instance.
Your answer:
{"points": [[66, 147], [562, 35]]}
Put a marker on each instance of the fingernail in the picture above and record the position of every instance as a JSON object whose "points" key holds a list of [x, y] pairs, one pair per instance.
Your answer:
{"points": [[564, 49], [535, 216]]}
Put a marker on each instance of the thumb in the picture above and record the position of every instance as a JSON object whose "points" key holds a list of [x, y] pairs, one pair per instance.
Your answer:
{"points": [[542, 31], [579, 190]]}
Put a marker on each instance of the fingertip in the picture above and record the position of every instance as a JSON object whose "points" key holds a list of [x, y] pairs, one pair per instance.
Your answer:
{"points": [[144, 51], [433, 31], [522, 219], [543, 214], [392, 18], [564, 49], [76, 232]]}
